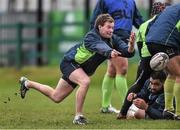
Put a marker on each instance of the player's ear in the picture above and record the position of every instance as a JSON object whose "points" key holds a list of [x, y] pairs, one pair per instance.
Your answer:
{"points": [[99, 26]]}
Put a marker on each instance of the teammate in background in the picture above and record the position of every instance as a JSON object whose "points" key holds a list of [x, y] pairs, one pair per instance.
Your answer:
{"points": [[144, 70], [125, 15], [150, 100], [81, 61], [164, 36]]}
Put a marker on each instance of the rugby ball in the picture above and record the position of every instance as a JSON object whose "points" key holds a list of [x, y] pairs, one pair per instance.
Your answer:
{"points": [[159, 61]]}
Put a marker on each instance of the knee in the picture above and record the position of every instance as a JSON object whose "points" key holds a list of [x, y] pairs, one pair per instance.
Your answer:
{"points": [[139, 114], [178, 74], [111, 70], [111, 73], [56, 100], [121, 68], [123, 71], [85, 82], [136, 115]]}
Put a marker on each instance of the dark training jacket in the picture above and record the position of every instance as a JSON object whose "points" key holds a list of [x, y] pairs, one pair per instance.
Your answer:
{"points": [[94, 50], [155, 101], [166, 29], [124, 12]]}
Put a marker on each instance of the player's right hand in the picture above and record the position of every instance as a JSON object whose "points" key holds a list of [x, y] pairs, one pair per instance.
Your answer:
{"points": [[115, 53]]}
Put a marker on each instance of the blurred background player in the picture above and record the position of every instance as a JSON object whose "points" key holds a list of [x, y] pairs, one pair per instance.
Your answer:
{"points": [[150, 100], [164, 36], [125, 14], [81, 61], [144, 70]]}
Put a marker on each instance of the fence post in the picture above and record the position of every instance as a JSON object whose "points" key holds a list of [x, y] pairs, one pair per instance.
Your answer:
{"points": [[19, 46]]}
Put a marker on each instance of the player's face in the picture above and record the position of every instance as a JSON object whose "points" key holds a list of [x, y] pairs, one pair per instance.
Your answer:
{"points": [[106, 31], [156, 85]]}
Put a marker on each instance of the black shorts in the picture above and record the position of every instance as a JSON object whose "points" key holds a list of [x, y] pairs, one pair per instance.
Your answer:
{"points": [[155, 48], [67, 68]]}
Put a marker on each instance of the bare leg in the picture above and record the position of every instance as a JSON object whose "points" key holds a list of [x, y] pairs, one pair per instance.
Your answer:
{"points": [[111, 70], [121, 66], [62, 90], [81, 78], [140, 114]]}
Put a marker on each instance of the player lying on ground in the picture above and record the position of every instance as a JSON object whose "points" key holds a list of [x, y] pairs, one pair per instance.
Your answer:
{"points": [[150, 100]]}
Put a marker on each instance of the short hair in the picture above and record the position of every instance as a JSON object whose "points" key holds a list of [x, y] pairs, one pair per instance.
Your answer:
{"points": [[161, 75], [101, 19], [157, 8]]}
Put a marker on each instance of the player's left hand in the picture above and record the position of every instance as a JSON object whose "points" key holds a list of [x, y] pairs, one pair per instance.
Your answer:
{"points": [[115, 53]]}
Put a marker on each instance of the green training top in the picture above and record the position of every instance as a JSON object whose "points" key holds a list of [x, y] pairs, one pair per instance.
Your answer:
{"points": [[178, 26], [141, 38]]}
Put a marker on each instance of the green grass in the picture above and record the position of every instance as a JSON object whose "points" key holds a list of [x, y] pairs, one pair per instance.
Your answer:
{"points": [[38, 112]]}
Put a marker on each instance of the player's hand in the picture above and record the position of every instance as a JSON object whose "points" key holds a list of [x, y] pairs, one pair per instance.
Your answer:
{"points": [[131, 42], [132, 39], [140, 103], [115, 53], [131, 96]]}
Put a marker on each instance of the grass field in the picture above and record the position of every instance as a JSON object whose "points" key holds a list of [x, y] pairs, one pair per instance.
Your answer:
{"points": [[38, 112]]}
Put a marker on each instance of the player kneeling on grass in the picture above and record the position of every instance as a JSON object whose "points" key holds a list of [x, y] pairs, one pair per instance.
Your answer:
{"points": [[150, 100], [81, 61]]}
